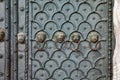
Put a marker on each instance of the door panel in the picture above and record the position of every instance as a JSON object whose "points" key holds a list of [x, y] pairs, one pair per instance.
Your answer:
{"points": [[69, 39], [60, 40]]}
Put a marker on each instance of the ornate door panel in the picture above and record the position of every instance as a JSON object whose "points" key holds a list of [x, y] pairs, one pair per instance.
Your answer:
{"points": [[61, 40], [70, 39]]}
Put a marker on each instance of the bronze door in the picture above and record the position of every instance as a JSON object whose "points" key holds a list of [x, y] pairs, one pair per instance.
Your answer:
{"points": [[56, 40]]}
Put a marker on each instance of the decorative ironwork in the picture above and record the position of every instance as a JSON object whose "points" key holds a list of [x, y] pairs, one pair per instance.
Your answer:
{"points": [[88, 60], [63, 40]]}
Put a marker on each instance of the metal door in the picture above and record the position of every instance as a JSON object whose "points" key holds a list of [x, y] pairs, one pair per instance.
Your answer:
{"points": [[57, 40]]}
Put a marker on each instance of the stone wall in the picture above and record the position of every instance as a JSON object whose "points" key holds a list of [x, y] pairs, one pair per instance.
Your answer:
{"points": [[116, 57]]}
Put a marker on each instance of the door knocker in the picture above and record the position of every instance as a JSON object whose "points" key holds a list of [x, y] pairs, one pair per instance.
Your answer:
{"points": [[40, 39], [94, 43], [75, 40], [21, 41], [59, 37], [75, 37], [21, 37], [2, 34]]}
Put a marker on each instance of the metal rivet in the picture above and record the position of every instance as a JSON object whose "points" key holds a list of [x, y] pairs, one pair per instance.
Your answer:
{"points": [[21, 79], [22, 9], [1, 56], [20, 56], [1, 74], [21, 28], [35, 8], [1, 19]]}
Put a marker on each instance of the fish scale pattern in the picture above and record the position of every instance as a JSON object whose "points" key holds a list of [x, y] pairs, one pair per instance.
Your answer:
{"points": [[68, 60]]}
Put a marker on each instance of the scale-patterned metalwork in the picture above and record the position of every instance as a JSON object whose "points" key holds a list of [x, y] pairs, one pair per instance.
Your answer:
{"points": [[69, 39], [56, 39]]}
